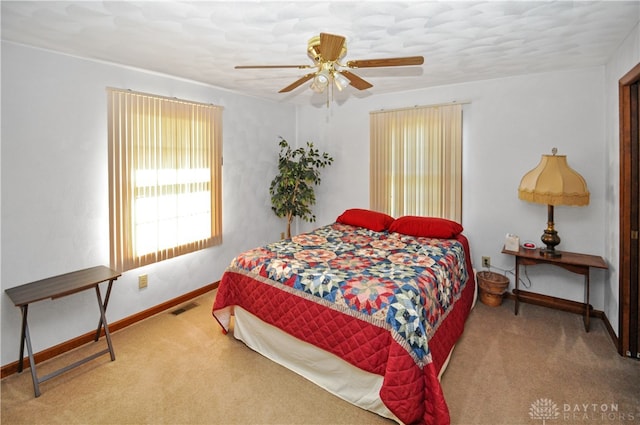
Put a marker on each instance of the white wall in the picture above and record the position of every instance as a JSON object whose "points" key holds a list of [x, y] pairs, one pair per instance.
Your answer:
{"points": [[625, 58], [509, 123], [54, 200], [54, 188]]}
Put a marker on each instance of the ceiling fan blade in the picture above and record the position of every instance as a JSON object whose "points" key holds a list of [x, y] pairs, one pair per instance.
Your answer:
{"points": [[373, 63], [356, 81], [297, 83], [331, 46], [272, 66]]}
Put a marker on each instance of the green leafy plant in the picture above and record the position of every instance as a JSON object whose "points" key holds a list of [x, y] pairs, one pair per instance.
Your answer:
{"points": [[292, 190]]}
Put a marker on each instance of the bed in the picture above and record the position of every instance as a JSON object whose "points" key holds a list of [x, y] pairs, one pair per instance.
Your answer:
{"points": [[369, 308]]}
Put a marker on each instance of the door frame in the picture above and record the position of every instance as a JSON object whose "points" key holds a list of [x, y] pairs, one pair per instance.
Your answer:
{"points": [[628, 266]]}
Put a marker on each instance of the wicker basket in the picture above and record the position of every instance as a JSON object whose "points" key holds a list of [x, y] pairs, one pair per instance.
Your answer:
{"points": [[492, 287]]}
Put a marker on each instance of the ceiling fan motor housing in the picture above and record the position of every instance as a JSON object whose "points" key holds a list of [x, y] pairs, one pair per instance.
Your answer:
{"points": [[315, 53]]}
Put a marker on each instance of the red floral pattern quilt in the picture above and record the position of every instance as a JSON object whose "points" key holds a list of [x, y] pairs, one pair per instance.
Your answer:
{"points": [[378, 300]]}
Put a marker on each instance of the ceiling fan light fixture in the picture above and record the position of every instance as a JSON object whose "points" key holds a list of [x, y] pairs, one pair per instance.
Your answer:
{"points": [[340, 80], [317, 88], [320, 81]]}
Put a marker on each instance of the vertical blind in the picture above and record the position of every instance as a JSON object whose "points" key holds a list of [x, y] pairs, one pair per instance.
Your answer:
{"points": [[165, 172], [416, 161]]}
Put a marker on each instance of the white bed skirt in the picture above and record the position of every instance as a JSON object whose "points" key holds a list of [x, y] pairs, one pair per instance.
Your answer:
{"points": [[326, 370]]}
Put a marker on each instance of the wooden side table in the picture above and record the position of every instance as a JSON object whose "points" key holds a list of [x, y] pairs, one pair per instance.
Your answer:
{"points": [[57, 287], [571, 261]]}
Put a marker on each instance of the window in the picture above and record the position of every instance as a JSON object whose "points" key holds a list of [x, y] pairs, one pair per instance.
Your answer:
{"points": [[165, 172], [416, 161]]}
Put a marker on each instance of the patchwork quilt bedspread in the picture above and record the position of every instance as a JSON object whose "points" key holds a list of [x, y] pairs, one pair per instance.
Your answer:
{"points": [[388, 303]]}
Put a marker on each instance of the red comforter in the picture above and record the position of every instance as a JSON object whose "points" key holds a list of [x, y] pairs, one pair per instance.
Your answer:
{"points": [[369, 329]]}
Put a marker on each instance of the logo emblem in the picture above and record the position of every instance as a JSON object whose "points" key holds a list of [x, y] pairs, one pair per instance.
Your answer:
{"points": [[544, 409]]}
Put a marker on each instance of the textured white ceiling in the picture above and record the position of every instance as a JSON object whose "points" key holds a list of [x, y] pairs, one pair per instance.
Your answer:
{"points": [[203, 41]]}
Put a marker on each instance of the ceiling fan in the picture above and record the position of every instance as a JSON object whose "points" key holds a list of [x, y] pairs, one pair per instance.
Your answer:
{"points": [[326, 51]]}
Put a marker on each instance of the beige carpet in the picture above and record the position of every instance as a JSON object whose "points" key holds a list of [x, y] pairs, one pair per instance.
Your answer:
{"points": [[504, 364], [182, 370]]}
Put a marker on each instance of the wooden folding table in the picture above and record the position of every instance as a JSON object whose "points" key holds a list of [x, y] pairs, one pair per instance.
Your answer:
{"points": [[57, 287]]}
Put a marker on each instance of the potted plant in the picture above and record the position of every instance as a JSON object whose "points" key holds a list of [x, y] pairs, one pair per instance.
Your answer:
{"points": [[292, 190]]}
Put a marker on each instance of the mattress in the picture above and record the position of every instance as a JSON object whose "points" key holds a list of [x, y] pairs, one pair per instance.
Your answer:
{"points": [[386, 304]]}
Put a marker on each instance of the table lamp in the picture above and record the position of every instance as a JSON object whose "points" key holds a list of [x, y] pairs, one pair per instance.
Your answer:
{"points": [[553, 183]]}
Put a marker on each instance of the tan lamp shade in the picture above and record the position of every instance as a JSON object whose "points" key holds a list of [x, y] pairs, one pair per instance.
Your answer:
{"points": [[553, 182]]}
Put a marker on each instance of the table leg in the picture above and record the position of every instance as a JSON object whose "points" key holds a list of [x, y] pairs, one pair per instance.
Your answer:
{"points": [[103, 321], [516, 290], [24, 309], [106, 302], [587, 313], [32, 362]]}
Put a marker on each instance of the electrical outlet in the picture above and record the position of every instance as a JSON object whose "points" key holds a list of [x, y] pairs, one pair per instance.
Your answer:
{"points": [[143, 281], [486, 262]]}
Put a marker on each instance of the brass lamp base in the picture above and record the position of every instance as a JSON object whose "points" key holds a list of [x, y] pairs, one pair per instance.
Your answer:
{"points": [[550, 253], [550, 237]]}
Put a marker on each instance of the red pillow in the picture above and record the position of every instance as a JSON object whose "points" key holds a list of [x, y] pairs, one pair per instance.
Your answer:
{"points": [[371, 220], [430, 227]]}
